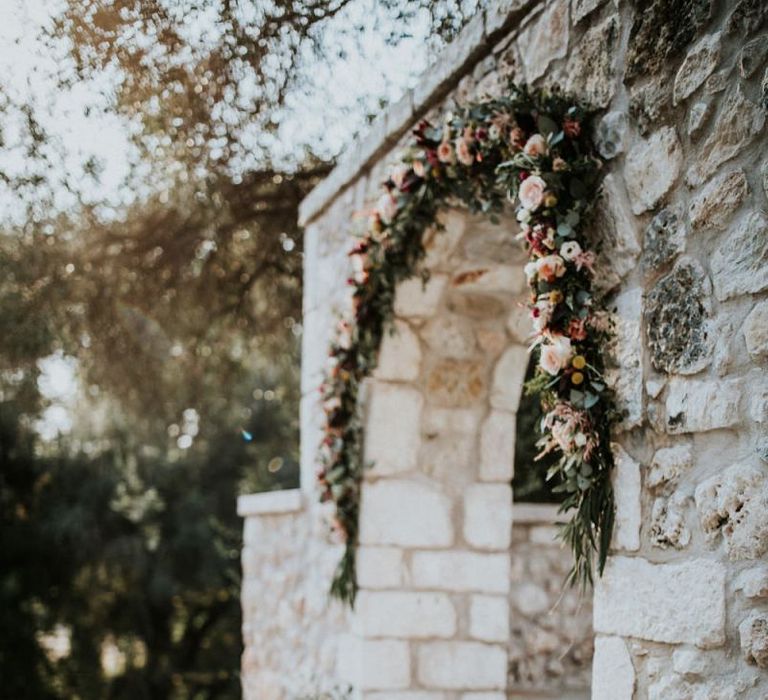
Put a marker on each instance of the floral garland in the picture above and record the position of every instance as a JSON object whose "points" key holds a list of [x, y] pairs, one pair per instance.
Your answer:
{"points": [[530, 149]]}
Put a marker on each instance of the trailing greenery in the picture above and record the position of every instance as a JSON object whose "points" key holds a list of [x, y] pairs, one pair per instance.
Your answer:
{"points": [[527, 148]]}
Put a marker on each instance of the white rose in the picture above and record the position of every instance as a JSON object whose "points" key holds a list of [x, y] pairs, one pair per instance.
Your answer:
{"points": [[570, 250], [532, 192], [536, 145], [555, 354], [550, 267]]}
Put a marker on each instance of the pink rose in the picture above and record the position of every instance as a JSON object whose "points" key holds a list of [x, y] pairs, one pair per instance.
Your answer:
{"points": [[535, 146], [463, 153], [550, 267], [532, 192], [555, 354], [445, 152]]}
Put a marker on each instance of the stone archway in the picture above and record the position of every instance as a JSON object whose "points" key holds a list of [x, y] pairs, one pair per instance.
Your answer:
{"points": [[435, 560]]}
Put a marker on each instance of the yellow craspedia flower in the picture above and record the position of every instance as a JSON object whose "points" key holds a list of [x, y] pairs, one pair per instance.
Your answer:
{"points": [[550, 200], [556, 296], [577, 378], [579, 362]]}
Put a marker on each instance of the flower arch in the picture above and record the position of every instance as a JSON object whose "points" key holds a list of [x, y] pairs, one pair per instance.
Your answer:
{"points": [[530, 149]]}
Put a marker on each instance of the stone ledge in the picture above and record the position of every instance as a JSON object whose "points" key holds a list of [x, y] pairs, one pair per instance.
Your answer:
{"points": [[475, 42], [536, 513], [270, 503]]}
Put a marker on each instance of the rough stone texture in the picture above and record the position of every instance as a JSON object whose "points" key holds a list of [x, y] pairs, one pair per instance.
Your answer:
{"points": [[455, 383], [755, 330], [753, 583], [753, 633], [664, 239], [497, 447], [396, 411], [714, 205], [635, 598], [508, 378], [752, 56], [652, 168], [545, 40], [626, 486], [613, 677], [697, 116], [738, 123], [415, 298], [698, 406], [740, 264], [591, 65], [668, 522], [667, 466], [400, 354], [701, 60], [747, 17], [735, 504], [677, 314]]}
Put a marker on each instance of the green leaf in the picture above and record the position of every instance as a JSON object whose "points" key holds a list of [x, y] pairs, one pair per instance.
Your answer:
{"points": [[546, 125]]}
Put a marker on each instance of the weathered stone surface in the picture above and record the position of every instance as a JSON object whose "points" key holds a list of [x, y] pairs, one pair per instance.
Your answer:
{"points": [[747, 17], [697, 406], [613, 675], [441, 241], [378, 664], [414, 298], [626, 352], [508, 376], [664, 238], [531, 599], [403, 614], [380, 567], [697, 117], [615, 229], [652, 167], [591, 64], [458, 570], [400, 354], [739, 121], [490, 278], [626, 486], [693, 664], [489, 618], [455, 665], [667, 466], [449, 336], [635, 598], [446, 421], [650, 104], [479, 306], [753, 633], [717, 82], [752, 55], [734, 503], [764, 168], [740, 264], [544, 40], [611, 134], [488, 516], [405, 512], [755, 330], [450, 460], [715, 204], [753, 583], [668, 526], [662, 30], [701, 60], [497, 446], [488, 242], [581, 8], [456, 383], [393, 428], [677, 314]]}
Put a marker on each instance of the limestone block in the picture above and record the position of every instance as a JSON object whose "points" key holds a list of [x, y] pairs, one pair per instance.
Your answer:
{"points": [[374, 664], [752, 55], [393, 428], [581, 8], [591, 65], [508, 377], [489, 242], [456, 383], [462, 665], [697, 117], [450, 459], [668, 526], [753, 583], [488, 516], [484, 696], [734, 503], [635, 598], [461, 571], [664, 238], [699, 63], [519, 324], [613, 675], [753, 633], [403, 614], [405, 512], [400, 354], [444, 421], [611, 134], [668, 465], [697, 406], [380, 567], [479, 306], [626, 379], [490, 278], [544, 40], [755, 330], [652, 167], [449, 336], [497, 446], [677, 313], [746, 17], [441, 242], [530, 599], [715, 204], [626, 486], [739, 121], [489, 618], [415, 298]]}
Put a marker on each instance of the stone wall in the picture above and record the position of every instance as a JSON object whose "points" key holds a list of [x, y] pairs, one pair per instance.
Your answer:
{"points": [[682, 611]]}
